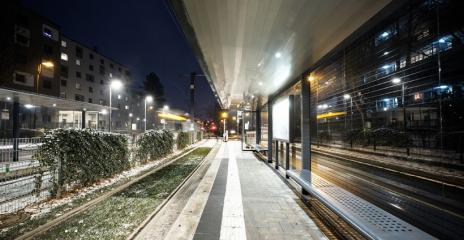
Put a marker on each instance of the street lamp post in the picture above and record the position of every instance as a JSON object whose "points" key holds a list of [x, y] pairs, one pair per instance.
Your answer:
{"points": [[224, 115], [148, 98], [114, 84]]}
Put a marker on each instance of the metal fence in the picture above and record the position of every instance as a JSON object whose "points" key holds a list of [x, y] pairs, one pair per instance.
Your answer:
{"points": [[18, 171]]}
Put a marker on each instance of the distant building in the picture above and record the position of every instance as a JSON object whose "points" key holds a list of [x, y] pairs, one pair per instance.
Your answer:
{"points": [[86, 76]]}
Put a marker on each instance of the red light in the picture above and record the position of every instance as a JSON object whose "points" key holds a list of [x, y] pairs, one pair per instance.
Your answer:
{"points": [[207, 121], [213, 127], [202, 128]]}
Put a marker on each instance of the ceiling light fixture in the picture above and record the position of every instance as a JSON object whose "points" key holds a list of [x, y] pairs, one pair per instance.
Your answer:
{"points": [[278, 55]]}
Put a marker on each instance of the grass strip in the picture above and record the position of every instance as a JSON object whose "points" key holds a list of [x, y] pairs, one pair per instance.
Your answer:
{"points": [[57, 211], [117, 216]]}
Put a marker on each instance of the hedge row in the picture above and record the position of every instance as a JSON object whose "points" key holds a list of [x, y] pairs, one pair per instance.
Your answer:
{"points": [[377, 136], [83, 156], [183, 140], [154, 144], [199, 135]]}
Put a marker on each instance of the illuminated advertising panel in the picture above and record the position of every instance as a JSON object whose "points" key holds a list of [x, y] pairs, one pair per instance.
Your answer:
{"points": [[282, 120]]}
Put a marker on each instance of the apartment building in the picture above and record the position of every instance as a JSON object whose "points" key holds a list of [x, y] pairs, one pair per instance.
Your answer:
{"points": [[36, 40], [86, 75]]}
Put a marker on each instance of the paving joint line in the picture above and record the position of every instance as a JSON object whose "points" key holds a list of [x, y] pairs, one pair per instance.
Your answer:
{"points": [[64, 217]]}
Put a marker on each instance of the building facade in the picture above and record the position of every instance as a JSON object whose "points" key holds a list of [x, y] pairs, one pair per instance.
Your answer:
{"points": [[86, 75]]}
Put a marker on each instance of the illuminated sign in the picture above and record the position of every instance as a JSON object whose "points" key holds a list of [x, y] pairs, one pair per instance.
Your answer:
{"points": [[282, 120]]}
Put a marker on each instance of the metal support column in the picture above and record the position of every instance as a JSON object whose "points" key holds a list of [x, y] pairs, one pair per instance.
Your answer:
{"points": [[258, 126], [305, 123], [277, 155], [83, 119], [287, 158], [15, 127], [269, 131], [192, 99]]}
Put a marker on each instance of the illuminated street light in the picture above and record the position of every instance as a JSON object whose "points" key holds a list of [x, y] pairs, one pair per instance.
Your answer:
{"points": [[346, 96], [311, 78], [396, 80], [278, 55]]}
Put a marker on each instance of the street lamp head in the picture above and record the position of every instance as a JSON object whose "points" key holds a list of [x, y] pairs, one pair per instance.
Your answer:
{"points": [[396, 80], [311, 78], [166, 107], [149, 98], [346, 96], [48, 64], [130, 114], [224, 115], [138, 119], [104, 112], [116, 84]]}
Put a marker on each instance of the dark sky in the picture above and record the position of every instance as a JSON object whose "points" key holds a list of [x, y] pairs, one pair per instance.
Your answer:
{"points": [[138, 34]]}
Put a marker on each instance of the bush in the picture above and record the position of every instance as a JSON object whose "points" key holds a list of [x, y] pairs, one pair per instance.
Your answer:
{"points": [[324, 136], [80, 156], [199, 135], [183, 140], [451, 141], [154, 144]]}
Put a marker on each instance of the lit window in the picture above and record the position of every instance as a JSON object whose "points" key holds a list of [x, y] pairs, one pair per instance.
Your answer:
{"points": [[78, 62], [126, 107], [111, 75], [63, 43], [425, 33], [47, 32], [119, 96], [64, 56], [403, 64], [78, 86], [138, 104]]}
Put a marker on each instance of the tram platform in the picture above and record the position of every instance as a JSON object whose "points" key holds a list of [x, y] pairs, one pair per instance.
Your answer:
{"points": [[232, 195]]}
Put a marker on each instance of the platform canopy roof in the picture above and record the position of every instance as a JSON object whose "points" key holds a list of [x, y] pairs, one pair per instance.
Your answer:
{"points": [[41, 100], [242, 43]]}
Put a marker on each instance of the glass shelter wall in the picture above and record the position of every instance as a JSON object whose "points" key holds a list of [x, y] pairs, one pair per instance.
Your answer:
{"points": [[386, 122]]}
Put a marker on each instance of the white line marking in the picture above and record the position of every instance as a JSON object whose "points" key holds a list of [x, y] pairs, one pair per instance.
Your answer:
{"points": [[233, 221]]}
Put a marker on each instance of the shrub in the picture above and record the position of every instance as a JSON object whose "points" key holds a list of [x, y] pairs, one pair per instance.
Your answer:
{"points": [[183, 140], [199, 135], [81, 157], [154, 144], [377, 136]]}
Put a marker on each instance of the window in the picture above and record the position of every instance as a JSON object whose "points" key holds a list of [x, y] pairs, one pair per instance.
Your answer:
{"points": [[20, 78], [47, 84], [78, 74], [91, 56], [63, 43], [79, 98], [102, 70], [128, 73], [90, 89], [78, 86], [111, 75], [47, 49], [119, 69], [47, 32], [102, 61], [22, 35], [126, 107], [64, 71], [78, 62], [126, 115], [79, 52], [111, 65], [118, 124], [102, 102], [63, 95], [101, 81], [138, 104], [21, 58], [64, 83], [119, 115], [119, 96], [101, 92], [64, 56], [91, 67], [89, 77], [90, 100], [119, 106], [126, 98]]}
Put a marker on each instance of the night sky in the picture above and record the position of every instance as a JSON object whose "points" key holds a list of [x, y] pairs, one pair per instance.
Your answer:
{"points": [[139, 35]]}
